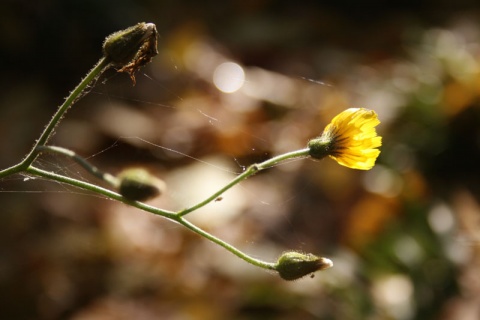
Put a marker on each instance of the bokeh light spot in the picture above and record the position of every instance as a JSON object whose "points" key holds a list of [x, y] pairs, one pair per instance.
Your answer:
{"points": [[229, 77]]}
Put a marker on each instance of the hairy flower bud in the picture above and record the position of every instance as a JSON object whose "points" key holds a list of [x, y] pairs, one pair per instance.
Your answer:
{"points": [[137, 184], [294, 265], [131, 48]]}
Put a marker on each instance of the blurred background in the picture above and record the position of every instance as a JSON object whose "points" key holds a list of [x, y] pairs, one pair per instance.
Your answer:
{"points": [[236, 82]]}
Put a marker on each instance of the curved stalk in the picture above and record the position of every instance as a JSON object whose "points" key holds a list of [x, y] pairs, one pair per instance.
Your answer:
{"points": [[251, 170], [229, 247], [102, 65], [96, 71]]}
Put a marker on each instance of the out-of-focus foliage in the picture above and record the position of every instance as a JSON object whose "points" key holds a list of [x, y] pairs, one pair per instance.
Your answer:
{"points": [[235, 83]]}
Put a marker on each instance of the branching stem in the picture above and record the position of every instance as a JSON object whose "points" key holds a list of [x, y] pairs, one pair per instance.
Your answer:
{"points": [[107, 177], [99, 190], [137, 34], [96, 71], [164, 213]]}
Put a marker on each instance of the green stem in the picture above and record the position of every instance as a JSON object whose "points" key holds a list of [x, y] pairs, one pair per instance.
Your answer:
{"points": [[229, 247], [164, 213], [19, 167], [107, 177], [99, 190], [280, 158], [251, 170], [96, 71]]}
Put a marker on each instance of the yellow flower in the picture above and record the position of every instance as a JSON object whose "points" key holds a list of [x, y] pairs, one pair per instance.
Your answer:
{"points": [[350, 139]]}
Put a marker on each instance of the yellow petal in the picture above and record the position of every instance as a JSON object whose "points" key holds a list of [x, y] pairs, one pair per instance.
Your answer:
{"points": [[352, 139]]}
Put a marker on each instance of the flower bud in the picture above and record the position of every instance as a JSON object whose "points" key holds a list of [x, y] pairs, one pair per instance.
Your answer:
{"points": [[294, 265], [137, 184], [131, 48]]}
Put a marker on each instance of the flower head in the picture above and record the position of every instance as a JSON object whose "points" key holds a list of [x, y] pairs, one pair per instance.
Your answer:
{"points": [[350, 139]]}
